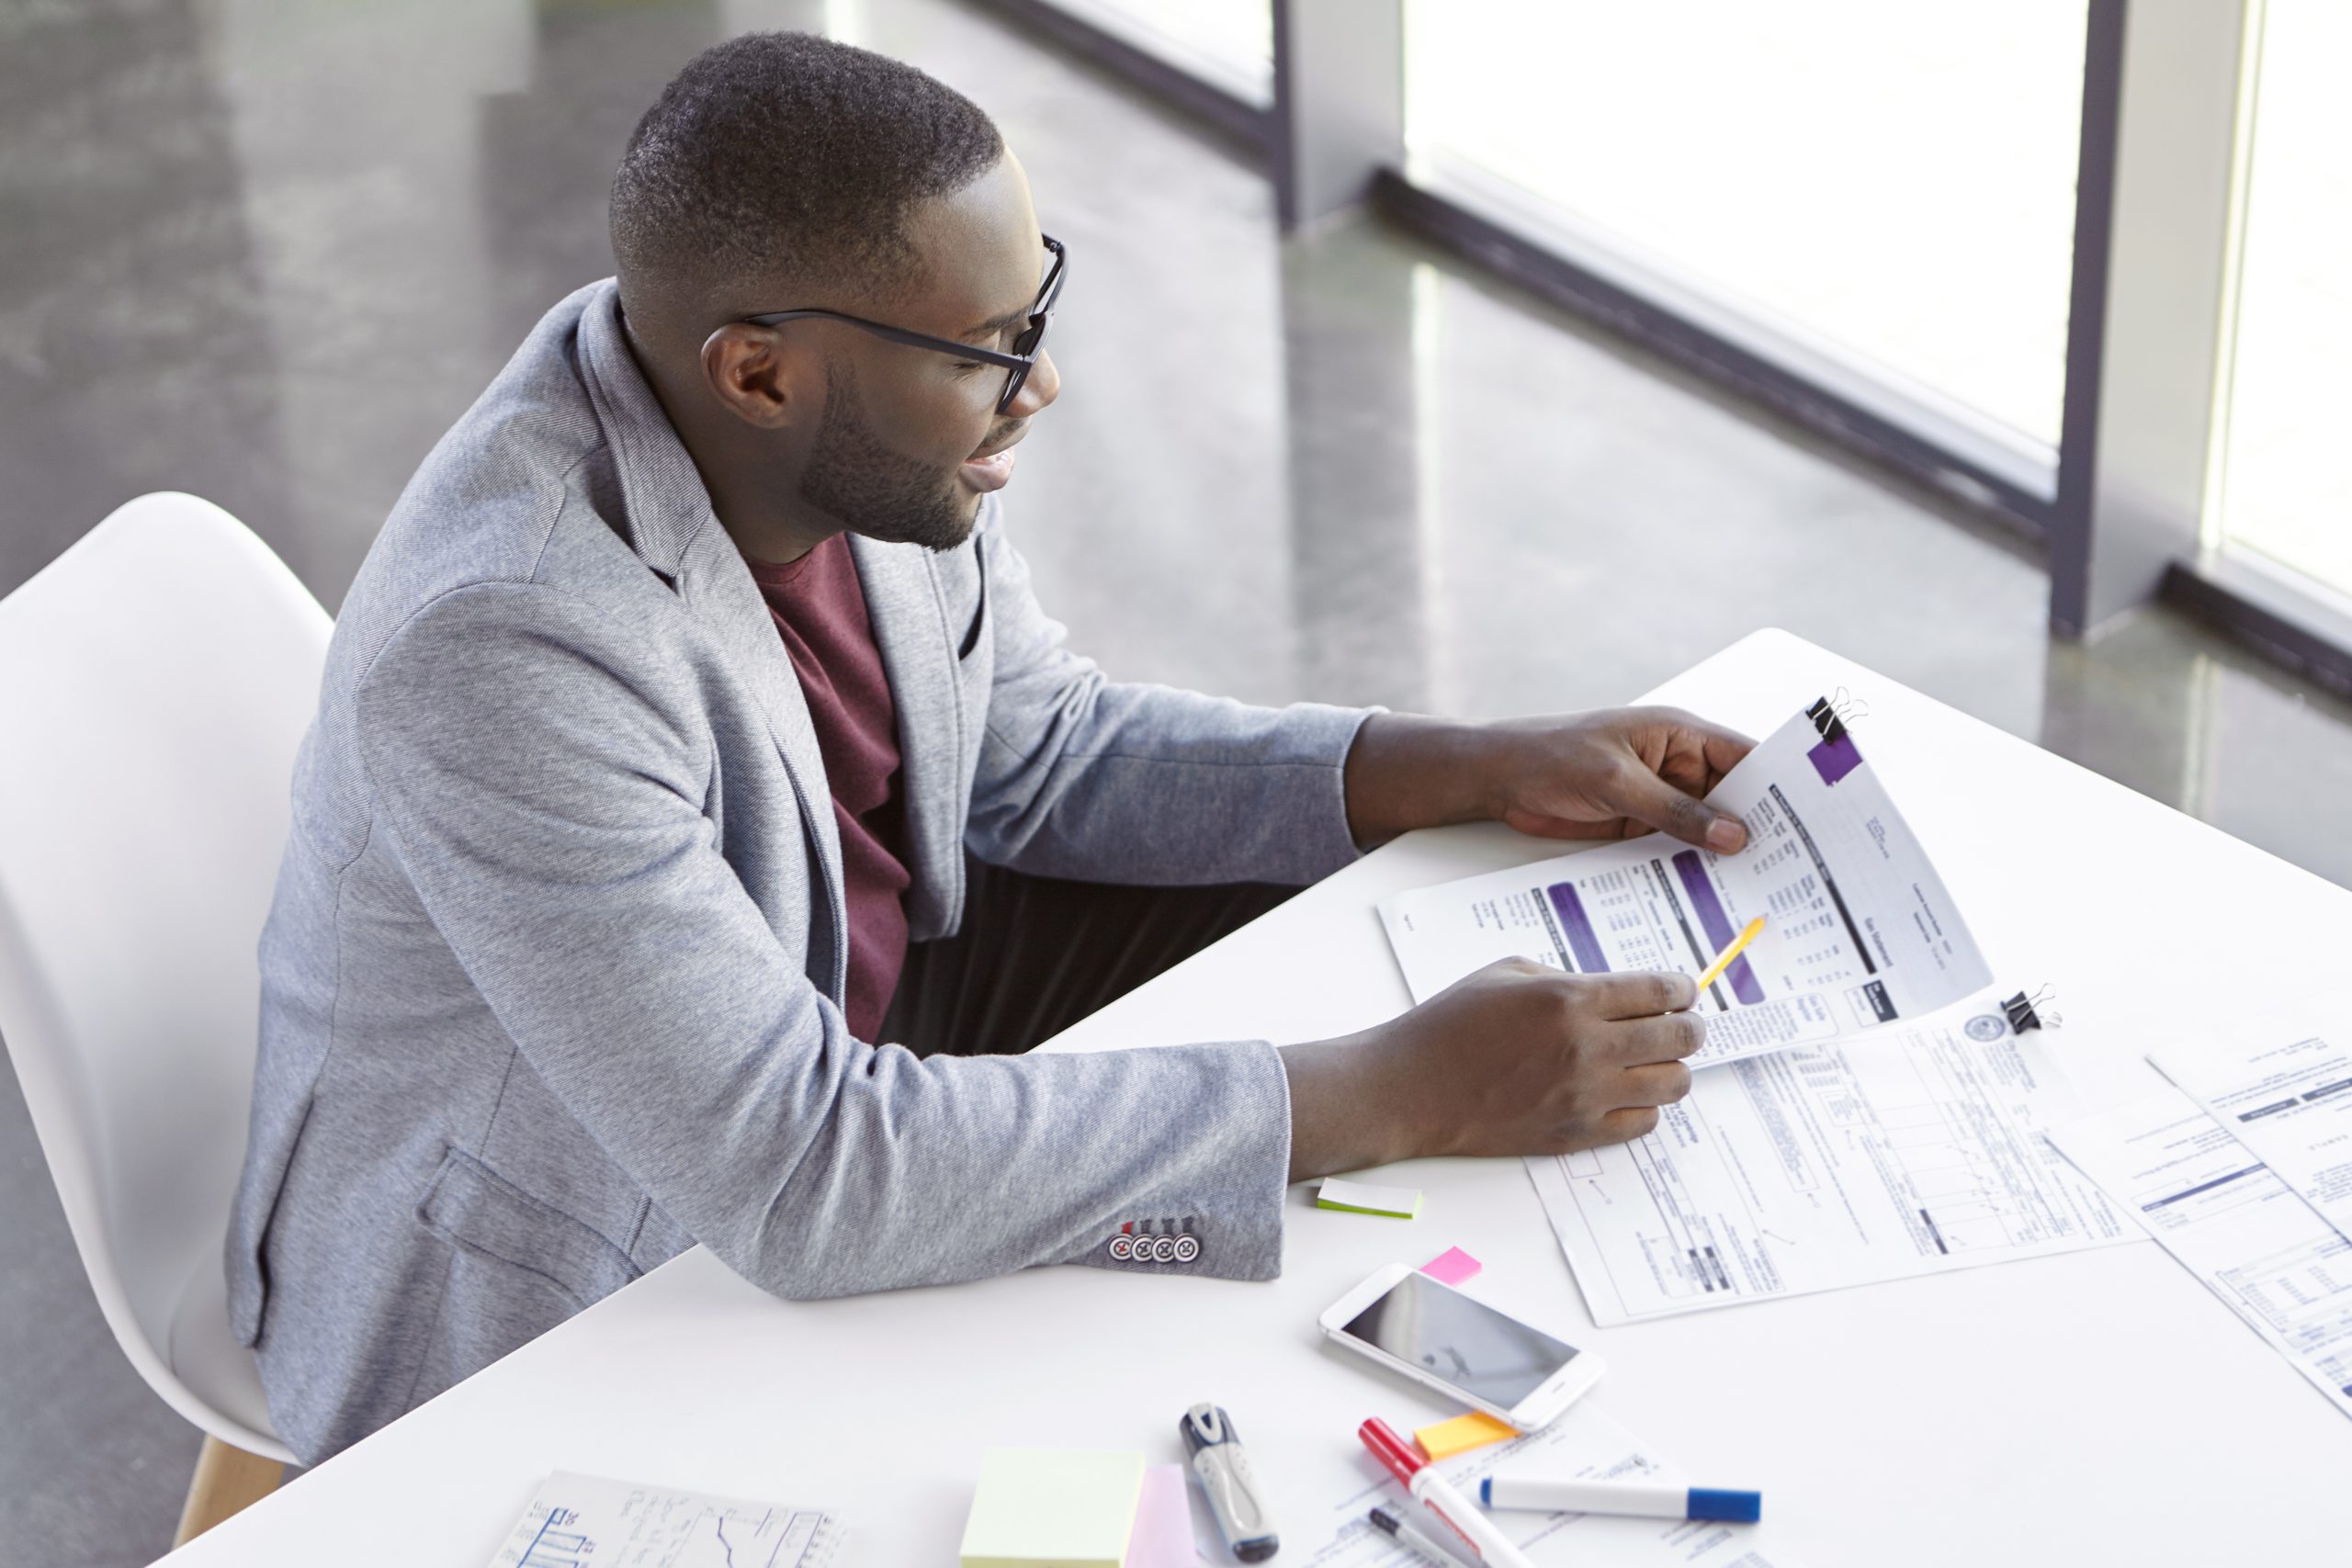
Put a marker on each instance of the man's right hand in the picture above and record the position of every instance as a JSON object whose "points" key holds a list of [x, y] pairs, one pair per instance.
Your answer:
{"points": [[1517, 1059]]}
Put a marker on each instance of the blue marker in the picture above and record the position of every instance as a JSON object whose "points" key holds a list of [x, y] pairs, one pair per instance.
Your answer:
{"points": [[1643, 1500]]}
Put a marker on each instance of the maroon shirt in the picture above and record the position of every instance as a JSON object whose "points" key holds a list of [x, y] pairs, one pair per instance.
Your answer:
{"points": [[820, 610]]}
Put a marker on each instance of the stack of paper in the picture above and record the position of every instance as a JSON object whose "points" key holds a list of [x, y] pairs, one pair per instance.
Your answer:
{"points": [[1845, 1136], [2244, 1175], [1858, 928], [1913, 1151]]}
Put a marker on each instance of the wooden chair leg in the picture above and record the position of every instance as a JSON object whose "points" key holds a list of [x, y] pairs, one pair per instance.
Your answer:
{"points": [[228, 1481]]}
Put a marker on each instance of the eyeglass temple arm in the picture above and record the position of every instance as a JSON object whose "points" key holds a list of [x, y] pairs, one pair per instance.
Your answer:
{"points": [[894, 334]]}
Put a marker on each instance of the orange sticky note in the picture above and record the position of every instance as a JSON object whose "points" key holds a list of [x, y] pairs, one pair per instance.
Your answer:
{"points": [[1461, 1435]]}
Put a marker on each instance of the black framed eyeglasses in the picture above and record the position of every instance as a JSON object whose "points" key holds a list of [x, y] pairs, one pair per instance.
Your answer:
{"points": [[1017, 365]]}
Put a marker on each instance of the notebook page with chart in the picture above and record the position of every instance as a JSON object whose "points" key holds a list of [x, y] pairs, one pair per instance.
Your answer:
{"points": [[1858, 930], [586, 1521]]}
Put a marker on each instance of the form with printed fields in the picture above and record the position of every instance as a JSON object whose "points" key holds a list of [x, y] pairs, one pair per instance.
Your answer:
{"points": [[2282, 1082], [1907, 1152], [1858, 930], [2226, 1217]]}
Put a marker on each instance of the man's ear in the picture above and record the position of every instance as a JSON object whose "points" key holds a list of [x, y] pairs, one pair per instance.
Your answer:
{"points": [[753, 376]]}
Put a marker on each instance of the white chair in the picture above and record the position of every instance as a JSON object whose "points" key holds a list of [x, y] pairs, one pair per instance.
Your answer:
{"points": [[155, 683]]}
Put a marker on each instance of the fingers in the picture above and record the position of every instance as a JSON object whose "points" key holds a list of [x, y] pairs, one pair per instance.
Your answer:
{"points": [[1670, 1038], [1718, 749], [1537, 825], [1623, 1127], [1647, 799], [1642, 994], [1657, 1083], [1725, 750]]}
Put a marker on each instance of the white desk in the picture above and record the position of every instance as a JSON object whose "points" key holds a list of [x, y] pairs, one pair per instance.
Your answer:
{"points": [[2094, 1408]]}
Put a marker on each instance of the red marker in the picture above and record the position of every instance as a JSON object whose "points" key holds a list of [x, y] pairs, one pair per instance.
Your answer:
{"points": [[1436, 1494]]}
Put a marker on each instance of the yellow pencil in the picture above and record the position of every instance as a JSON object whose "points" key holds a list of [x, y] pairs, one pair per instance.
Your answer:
{"points": [[1722, 960]]}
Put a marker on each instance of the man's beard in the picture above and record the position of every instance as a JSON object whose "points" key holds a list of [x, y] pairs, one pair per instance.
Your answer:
{"points": [[875, 492]]}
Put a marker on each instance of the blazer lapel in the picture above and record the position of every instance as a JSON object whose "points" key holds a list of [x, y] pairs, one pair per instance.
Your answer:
{"points": [[717, 587], [908, 617]]}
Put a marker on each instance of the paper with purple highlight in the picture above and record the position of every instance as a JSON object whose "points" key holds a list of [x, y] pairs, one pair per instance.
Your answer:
{"points": [[1718, 927], [1858, 928], [1833, 760], [1452, 1266]]}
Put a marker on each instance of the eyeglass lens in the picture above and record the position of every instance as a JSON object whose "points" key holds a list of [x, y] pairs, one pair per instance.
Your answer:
{"points": [[1033, 335]]}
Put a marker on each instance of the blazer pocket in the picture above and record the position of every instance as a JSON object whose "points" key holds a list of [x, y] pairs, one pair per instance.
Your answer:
{"points": [[474, 1208]]}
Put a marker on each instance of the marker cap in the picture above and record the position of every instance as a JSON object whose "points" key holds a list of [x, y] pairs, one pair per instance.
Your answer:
{"points": [[1732, 1507], [1390, 1449]]}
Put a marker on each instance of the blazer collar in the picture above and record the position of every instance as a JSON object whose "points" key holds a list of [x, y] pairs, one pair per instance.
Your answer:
{"points": [[673, 529], [662, 490]]}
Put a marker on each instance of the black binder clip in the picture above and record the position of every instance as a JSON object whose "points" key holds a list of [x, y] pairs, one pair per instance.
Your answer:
{"points": [[2024, 1012], [1832, 713]]}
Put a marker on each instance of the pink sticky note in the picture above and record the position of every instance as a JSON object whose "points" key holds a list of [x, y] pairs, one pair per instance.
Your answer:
{"points": [[1163, 1532], [1452, 1266]]}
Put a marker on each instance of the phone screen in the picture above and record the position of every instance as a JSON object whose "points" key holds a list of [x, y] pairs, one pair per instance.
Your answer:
{"points": [[1460, 1341]]}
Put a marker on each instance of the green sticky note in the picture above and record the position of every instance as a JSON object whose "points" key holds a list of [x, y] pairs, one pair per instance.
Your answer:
{"points": [[1053, 1509], [1369, 1197]]}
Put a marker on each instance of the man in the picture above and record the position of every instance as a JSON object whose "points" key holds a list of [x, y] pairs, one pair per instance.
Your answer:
{"points": [[691, 728]]}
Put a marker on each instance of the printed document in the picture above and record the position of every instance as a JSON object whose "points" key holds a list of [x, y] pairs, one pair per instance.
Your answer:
{"points": [[1583, 1443], [1860, 930], [2282, 1084], [585, 1521], [2229, 1220], [1909, 1152]]}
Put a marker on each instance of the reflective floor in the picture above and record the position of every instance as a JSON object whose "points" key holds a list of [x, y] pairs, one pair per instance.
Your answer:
{"points": [[267, 250]]}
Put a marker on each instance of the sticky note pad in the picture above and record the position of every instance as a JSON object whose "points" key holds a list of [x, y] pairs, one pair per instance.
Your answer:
{"points": [[1452, 1266], [1163, 1536], [1461, 1434], [1369, 1197], [1053, 1509]]}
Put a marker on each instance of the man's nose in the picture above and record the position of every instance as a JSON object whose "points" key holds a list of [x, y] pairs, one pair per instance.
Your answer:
{"points": [[1042, 387]]}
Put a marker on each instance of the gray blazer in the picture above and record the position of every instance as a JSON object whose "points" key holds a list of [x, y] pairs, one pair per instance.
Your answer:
{"points": [[550, 989]]}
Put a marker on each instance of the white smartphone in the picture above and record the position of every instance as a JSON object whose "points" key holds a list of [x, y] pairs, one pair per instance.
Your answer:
{"points": [[1433, 1334]]}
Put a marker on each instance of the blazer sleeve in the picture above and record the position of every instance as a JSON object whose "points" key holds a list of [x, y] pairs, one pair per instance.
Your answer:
{"points": [[1106, 781], [542, 775]]}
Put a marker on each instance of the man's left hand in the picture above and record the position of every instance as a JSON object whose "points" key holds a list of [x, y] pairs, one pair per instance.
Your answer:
{"points": [[1610, 774]]}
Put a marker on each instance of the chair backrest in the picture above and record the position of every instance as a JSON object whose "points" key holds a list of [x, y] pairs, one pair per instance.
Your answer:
{"points": [[155, 680]]}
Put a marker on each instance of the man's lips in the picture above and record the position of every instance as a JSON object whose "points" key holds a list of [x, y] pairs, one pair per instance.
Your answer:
{"points": [[990, 468]]}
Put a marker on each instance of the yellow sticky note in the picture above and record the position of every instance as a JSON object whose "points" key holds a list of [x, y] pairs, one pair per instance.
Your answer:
{"points": [[1051, 1509], [1461, 1434]]}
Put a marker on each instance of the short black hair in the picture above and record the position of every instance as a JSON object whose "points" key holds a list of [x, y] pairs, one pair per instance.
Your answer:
{"points": [[786, 159]]}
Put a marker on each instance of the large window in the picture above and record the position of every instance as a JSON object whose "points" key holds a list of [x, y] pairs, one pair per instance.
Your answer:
{"points": [[1892, 182], [1864, 216], [1227, 43], [2286, 480]]}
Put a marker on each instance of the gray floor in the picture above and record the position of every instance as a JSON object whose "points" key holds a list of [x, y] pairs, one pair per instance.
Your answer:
{"points": [[266, 250]]}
